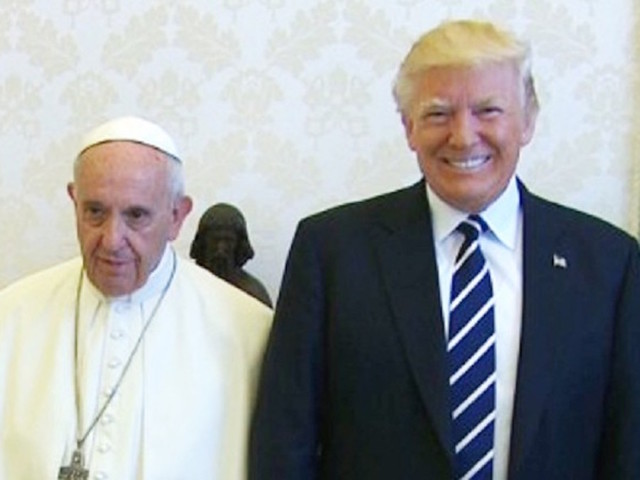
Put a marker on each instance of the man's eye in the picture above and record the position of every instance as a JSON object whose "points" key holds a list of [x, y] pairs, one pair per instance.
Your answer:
{"points": [[137, 217], [435, 116], [94, 214], [489, 111]]}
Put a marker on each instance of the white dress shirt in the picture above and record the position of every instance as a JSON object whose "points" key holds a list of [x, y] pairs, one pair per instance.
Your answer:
{"points": [[502, 248]]}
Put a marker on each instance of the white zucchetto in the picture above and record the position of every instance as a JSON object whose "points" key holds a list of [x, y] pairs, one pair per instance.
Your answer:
{"points": [[133, 129]]}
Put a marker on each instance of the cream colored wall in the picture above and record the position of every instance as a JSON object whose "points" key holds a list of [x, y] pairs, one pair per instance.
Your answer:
{"points": [[283, 107]]}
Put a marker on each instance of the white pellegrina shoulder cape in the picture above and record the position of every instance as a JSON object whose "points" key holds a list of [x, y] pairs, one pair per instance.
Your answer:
{"points": [[197, 373]]}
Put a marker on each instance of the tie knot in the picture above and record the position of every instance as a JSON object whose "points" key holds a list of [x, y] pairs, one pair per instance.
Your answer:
{"points": [[472, 226]]}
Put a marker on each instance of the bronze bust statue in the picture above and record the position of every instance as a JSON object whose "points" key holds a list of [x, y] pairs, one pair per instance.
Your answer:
{"points": [[221, 245]]}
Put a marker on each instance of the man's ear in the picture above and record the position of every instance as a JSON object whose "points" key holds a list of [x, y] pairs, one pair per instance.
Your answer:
{"points": [[181, 208], [71, 191], [409, 126], [529, 126]]}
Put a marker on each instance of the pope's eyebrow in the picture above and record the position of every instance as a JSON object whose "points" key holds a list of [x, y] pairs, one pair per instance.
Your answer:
{"points": [[92, 204]]}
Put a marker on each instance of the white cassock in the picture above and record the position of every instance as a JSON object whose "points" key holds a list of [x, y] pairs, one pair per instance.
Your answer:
{"points": [[183, 407]]}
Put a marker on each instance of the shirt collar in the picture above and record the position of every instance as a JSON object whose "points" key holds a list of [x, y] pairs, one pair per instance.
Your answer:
{"points": [[501, 215]]}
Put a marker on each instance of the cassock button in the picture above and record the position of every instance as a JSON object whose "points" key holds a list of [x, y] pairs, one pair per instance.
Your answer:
{"points": [[114, 363], [117, 334], [101, 476], [107, 419], [104, 448], [122, 308]]}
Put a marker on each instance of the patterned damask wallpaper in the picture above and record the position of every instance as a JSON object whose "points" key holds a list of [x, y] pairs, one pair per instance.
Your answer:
{"points": [[283, 107]]}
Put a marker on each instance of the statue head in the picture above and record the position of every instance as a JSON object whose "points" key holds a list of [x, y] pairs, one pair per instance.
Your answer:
{"points": [[221, 244]]}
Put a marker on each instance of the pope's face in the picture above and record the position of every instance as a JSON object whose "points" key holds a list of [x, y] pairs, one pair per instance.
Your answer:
{"points": [[125, 214], [467, 125]]}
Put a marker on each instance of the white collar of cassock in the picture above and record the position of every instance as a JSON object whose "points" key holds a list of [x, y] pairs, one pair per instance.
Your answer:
{"points": [[156, 282]]}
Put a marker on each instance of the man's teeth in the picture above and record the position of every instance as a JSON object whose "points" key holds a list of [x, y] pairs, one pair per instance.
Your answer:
{"points": [[469, 163]]}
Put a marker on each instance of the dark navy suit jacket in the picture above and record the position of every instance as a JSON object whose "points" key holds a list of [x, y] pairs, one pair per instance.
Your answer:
{"points": [[354, 383]]}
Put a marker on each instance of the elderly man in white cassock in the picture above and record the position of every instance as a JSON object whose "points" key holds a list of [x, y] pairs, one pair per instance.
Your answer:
{"points": [[127, 362]]}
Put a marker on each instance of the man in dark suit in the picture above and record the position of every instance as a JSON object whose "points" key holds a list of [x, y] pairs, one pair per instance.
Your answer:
{"points": [[362, 379]]}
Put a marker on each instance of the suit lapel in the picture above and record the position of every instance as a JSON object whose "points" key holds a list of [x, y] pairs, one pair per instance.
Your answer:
{"points": [[404, 244], [543, 333]]}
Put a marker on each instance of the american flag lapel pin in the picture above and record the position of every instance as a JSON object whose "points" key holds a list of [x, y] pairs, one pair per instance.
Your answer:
{"points": [[559, 261]]}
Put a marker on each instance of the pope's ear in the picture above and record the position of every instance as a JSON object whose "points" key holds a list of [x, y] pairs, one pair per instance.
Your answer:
{"points": [[71, 191], [181, 208]]}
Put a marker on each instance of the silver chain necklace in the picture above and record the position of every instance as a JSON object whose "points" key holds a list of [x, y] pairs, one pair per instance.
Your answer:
{"points": [[76, 470]]}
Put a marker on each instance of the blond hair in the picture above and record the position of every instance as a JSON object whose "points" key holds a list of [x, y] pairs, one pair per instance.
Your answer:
{"points": [[463, 43]]}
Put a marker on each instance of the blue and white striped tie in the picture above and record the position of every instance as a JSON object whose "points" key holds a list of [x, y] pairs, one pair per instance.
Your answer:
{"points": [[472, 358]]}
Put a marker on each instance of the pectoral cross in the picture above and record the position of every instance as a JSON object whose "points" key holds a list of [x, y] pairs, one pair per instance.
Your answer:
{"points": [[76, 470]]}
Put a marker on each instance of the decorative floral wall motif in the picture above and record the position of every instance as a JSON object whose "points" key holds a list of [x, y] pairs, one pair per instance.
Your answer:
{"points": [[283, 107]]}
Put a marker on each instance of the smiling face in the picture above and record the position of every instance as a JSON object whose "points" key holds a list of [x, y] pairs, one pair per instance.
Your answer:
{"points": [[467, 126], [125, 213]]}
